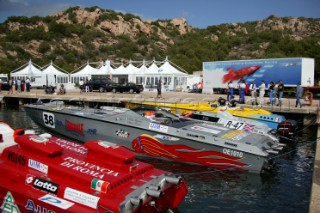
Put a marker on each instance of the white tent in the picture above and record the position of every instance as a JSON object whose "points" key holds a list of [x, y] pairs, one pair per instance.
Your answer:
{"points": [[140, 74], [84, 74], [171, 77], [30, 70], [132, 71], [54, 76], [105, 70], [153, 69], [167, 68], [119, 74], [121, 70]]}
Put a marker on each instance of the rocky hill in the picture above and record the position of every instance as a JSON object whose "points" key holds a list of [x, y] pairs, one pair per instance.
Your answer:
{"points": [[72, 37]]}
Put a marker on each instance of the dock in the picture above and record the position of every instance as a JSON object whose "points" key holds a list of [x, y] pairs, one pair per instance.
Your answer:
{"points": [[118, 99], [288, 105]]}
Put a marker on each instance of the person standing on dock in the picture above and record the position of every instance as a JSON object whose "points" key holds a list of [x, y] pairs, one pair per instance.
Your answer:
{"points": [[242, 89], [271, 93], [11, 86], [230, 91], [28, 85], [262, 89], [299, 93], [87, 87], [253, 90], [18, 85], [14, 84], [23, 85], [159, 89], [280, 92]]}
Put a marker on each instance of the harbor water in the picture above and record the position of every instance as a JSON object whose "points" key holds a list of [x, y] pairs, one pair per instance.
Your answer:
{"points": [[286, 188]]}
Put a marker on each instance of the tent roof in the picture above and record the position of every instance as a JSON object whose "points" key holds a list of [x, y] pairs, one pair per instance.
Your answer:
{"points": [[121, 70], [28, 70], [153, 69], [142, 70], [52, 70], [130, 69], [106, 69], [87, 70], [167, 68]]}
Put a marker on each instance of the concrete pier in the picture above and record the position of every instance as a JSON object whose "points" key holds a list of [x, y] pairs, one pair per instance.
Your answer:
{"points": [[288, 105]]}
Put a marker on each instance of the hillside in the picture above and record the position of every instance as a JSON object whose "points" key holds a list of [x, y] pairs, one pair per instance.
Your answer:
{"points": [[72, 37]]}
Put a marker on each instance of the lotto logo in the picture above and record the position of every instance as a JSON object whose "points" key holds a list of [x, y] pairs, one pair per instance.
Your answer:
{"points": [[29, 179], [45, 185]]}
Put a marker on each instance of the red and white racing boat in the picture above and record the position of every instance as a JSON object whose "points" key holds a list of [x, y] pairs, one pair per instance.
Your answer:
{"points": [[47, 174]]}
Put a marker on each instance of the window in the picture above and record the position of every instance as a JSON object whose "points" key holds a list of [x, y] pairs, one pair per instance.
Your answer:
{"points": [[165, 80]]}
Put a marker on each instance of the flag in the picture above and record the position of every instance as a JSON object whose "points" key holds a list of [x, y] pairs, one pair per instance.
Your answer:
{"points": [[248, 128], [99, 185]]}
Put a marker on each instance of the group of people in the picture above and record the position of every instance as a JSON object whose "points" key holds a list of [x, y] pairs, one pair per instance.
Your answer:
{"points": [[242, 87], [198, 87], [275, 92], [51, 90], [19, 85], [85, 86]]}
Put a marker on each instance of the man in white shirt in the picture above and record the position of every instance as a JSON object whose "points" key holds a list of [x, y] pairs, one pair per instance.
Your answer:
{"points": [[19, 85], [253, 90], [230, 91], [262, 89]]}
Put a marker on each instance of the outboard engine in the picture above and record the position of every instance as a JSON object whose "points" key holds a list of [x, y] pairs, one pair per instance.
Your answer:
{"points": [[287, 128]]}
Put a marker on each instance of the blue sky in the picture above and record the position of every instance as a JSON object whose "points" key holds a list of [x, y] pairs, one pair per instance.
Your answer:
{"points": [[198, 13]]}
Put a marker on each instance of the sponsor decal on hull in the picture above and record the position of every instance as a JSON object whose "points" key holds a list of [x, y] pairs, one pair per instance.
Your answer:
{"points": [[81, 197], [38, 166], [234, 135], [99, 185], [148, 145], [9, 204], [36, 208], [17, 158], [122, 133], [45, 185], [84, 167], [75, 127], [71, 146], [158, 127], [55, 201]]}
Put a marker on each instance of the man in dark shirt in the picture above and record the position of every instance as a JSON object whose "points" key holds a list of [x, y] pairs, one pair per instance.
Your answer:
{"points": [[280, 92]]}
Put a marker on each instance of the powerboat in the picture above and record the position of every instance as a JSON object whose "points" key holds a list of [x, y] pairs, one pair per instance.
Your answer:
{"points": [[158, 133], [225, 119], [261, 115], [44, 173]]}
